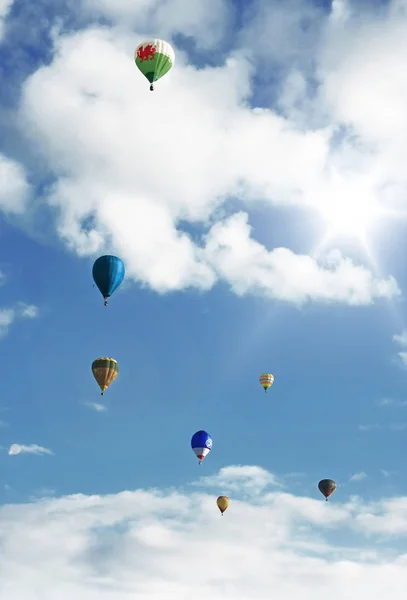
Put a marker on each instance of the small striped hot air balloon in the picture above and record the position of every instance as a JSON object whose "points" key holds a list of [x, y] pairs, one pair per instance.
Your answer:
{"points": [[223, 503], [105, 370], [266, 380]]}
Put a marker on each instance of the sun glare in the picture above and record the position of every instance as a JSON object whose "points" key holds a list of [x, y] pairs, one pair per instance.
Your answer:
{"points": [[348, 211], [349, 218]]}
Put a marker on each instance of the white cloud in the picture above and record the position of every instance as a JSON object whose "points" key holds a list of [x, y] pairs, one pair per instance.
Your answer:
{"points": [[239, 478], [15, 190], [285, 275], [398, 426], [6, 319], [175, 156], [5, 6], [206, 23], [34, 449], [369, 427], [42, 493], [391, 402], [8, 316], [358, 476], [96, 406], [401, 339], [29, 311], [164, 544], [385, 473]]}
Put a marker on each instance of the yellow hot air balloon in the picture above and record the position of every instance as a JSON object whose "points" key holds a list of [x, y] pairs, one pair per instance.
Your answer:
{"points": [[105, 370], [223, 503], [266, 380]]}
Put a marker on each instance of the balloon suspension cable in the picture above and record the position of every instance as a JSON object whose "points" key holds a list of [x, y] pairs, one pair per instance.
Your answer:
{"points": [[151, 88]]}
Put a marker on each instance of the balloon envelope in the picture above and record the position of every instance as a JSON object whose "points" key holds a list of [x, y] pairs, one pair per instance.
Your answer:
{"points": [[223, 503], [108, 274], [154, 58], [327, 487], [14, 449], [201, 444], [105, 370], [266, 380]]}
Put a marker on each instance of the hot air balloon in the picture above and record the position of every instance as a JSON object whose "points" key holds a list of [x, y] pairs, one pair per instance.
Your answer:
{"points": [[14, 449], [201, 444], [266, 380], [108, 273], [105, 370], [327, 487], [154, 58], [223, 503]]}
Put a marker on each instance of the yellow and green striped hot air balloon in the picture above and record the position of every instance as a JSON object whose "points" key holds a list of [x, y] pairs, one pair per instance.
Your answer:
{"points": [[105, 370], [154, 58], [266, 380]]}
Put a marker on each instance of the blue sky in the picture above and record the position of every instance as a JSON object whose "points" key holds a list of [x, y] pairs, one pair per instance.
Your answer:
{"points": [[267, 138]]}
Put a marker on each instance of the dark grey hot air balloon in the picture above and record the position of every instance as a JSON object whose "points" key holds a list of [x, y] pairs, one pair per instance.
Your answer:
{"points": [[327, 487]]}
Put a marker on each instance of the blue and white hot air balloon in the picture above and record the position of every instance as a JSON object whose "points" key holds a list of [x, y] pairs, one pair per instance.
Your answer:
{"points": [[108, 273], [201, 444]]}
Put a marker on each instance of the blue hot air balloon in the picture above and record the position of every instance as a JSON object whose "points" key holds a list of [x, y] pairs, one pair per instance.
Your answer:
{"points": [[108, 274], [201, 444]]}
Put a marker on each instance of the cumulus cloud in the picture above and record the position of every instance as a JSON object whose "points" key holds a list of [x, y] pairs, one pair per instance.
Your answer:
{"points": [[288, 276], [15, 189], [5, 6], [241, 478], [176, 157], [156, 544], [8, 316], [207, 24]]}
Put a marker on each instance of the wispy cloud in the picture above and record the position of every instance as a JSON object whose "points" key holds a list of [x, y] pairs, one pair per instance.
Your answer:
{"points": [[385, 473], [401, 339], [369, 427], [391, 402], [8, 316], [43, 493], [96, 406], [398, 426], [294, 475], [358, 476], [35, 449]]}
